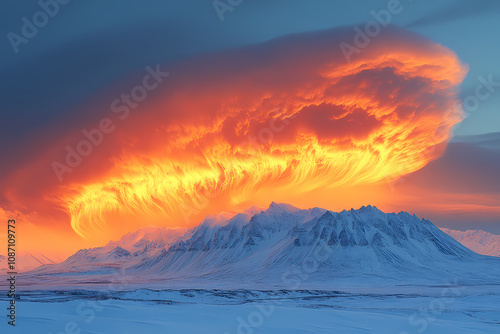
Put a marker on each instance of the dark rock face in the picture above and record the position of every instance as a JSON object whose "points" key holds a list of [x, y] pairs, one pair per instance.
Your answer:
{"points": [[346, 238]]}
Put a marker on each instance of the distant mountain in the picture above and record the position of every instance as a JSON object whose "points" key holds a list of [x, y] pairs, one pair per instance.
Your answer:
{"points": [[479, 241], [270, 247], [131, 248], [26, 261]]}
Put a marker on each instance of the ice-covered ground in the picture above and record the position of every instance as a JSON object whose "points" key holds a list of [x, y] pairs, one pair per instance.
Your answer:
{"points": [[410, 309]]}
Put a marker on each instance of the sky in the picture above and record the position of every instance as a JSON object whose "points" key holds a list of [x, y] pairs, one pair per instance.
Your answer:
{"points": [[261, 79]]}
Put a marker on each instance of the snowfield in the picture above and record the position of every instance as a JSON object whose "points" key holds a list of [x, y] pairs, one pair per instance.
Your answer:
{"points": [[445, 309]]}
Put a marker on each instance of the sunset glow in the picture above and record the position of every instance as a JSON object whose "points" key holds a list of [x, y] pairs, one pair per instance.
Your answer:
{"points": [[227, 131]]}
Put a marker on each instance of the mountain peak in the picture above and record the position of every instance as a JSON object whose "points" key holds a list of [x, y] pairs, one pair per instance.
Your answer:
{"points": [[368, 208], [281, 208], [217, 220]]}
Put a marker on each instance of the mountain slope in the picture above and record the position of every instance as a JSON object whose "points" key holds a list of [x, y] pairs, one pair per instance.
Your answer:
{"points": [[285, 247], [267, 245], [131, 248], [479, 241], [26, 261]]}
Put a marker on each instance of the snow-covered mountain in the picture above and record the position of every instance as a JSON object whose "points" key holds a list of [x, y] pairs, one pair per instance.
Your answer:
{"points": [[131, 248], [479, 241], [284, 245], [26, 261], [266, 245]]}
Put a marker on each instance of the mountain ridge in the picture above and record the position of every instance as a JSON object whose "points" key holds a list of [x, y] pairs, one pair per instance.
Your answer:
{"points": [[260, 247], [479, 241]]}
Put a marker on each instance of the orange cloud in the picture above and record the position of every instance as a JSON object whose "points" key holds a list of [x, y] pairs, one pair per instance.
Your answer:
{"points": [[267, 122]]}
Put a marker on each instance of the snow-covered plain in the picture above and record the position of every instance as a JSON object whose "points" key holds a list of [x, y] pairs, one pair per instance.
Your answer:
{"points": [[444, 309]]}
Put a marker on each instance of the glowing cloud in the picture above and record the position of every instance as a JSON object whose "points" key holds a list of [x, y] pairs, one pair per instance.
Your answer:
{"points": [[287, 117]]}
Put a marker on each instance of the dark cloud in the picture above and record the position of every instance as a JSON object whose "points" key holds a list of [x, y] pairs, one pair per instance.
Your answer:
{"points": [[471, 165]]}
